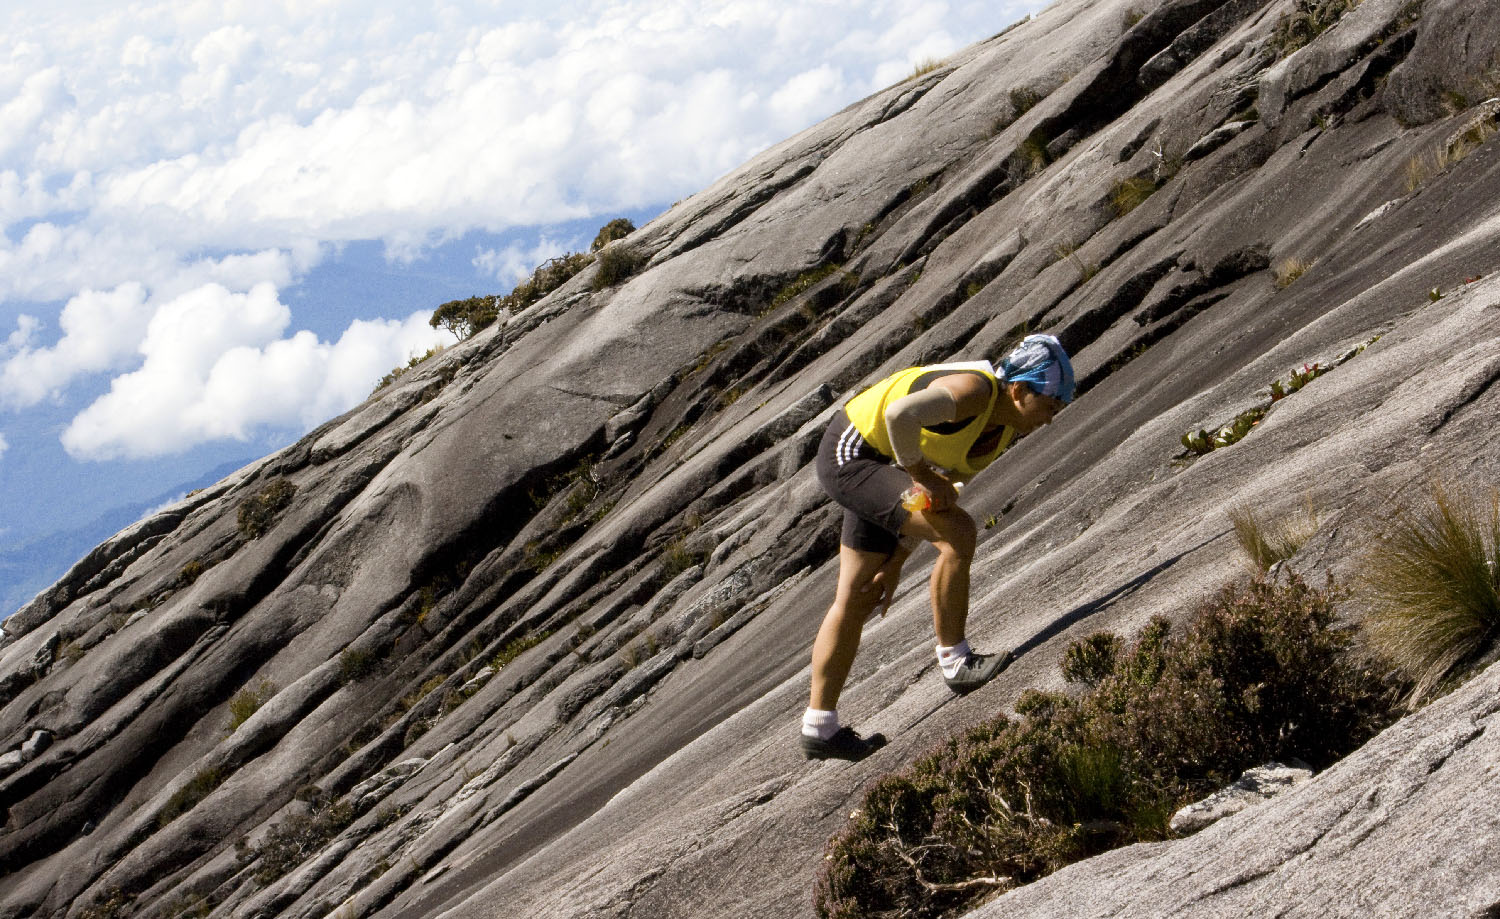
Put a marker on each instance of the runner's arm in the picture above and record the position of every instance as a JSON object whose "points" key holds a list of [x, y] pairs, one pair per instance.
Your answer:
{"points": [[905, 418]]}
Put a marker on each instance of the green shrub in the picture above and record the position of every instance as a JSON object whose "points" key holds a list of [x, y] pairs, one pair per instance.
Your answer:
{"points": [[678, 558], [248, 701], [1090, 660], [1259, 674], [515, 646], [549, 276], [416, 731], [188, 796], [806, 281], [581, 482], [616, 263], [1433, 588], [453, 698], [465, 317], [190, 572], [536, 556], [355, 664], [1201, 442], [410, 700], [619, 228], [259, 512]]}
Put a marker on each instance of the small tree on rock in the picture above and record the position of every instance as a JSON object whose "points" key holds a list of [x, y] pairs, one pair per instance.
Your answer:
{"points": [[465, 317], [619, 228]]}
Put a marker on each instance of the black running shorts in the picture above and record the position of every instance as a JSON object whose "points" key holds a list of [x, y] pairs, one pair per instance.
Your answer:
{"points": [[868, 485]]}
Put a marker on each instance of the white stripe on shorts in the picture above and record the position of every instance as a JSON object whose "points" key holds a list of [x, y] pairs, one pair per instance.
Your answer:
{"points": [[849, 444]]}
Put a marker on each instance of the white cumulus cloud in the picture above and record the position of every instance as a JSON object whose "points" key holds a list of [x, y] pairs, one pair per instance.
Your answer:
{"points": [[342, 121], [100, 328], [515, 263], [3, 447], [168, 170], [216, 367]]}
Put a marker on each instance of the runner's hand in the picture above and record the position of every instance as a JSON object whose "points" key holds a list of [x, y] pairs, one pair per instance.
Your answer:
{"points": [[939, 490]]}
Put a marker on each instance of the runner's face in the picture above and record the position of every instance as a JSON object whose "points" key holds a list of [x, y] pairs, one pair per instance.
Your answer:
{"points": [[1034, 408]]}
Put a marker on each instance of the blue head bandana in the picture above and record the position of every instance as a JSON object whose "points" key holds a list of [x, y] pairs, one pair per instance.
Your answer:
{"points": [[1041, 361]]}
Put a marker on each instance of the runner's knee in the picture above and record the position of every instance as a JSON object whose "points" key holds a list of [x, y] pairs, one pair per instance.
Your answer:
{"points": [[960, 534]]}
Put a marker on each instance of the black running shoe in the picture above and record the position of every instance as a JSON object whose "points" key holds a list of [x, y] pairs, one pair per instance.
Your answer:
{"points": [[843, 745], [976, 670]]}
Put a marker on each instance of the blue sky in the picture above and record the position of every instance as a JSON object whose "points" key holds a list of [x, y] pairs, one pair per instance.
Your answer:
{"points": [[221, 223]]}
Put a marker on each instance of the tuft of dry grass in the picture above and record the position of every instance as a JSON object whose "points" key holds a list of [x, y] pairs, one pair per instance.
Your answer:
{"points": [[1267, 543], [1473, 137], [1419, 169], [1129, 194], [1422, 168], [924, 67], [1290, 270], [1032, 154], [1022, 100], [1432, 585]]}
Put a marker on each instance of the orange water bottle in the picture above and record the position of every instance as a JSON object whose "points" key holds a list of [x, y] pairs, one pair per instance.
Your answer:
{"points": [[916, 498]]}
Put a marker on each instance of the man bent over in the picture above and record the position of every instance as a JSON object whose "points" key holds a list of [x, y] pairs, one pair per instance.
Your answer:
{"points": [[904, 442]]}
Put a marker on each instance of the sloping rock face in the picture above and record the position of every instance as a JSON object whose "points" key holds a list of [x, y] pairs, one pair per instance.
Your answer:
{"points": [[528, 631]]}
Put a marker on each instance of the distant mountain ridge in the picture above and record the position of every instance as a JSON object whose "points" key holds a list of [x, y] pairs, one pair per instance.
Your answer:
{"points": [[527, 632], [27, 567]]}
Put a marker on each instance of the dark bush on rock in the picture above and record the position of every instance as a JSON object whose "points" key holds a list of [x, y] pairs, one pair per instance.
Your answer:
{"points": [[1260, 673], [465, 317], [616, 263], [549, 276], [260, 511], [296, 839], [1090, 660], [1306, 21], [187, 797], [248, 701], [356, 664], [114, 905], [619, 228]]}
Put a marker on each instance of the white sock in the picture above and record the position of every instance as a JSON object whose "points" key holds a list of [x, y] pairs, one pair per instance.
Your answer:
{"points": [[819, 723], [950, 658]]}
